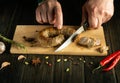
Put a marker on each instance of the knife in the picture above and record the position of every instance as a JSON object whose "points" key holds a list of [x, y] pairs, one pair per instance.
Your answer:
{"points": [[69, 40]]}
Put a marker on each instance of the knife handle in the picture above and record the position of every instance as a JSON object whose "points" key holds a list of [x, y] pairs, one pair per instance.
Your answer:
{"points": [[86, 25]]}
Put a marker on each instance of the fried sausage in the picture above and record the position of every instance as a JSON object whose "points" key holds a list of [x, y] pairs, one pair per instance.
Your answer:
{"points": [[51, 37]]}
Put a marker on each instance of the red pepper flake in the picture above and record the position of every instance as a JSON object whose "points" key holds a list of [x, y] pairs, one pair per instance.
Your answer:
{"points": [[47, 63], [50, 64]]}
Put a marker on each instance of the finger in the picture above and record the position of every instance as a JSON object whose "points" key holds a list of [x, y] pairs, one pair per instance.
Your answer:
{"points": [[50, 15], [106, 18], [93, 21], [84, 15], [58, 17], [44, 14], [107, 15], [38, 16]]}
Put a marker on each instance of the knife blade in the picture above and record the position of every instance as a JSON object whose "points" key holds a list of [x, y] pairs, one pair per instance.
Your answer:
{"points": [[69, 40]]}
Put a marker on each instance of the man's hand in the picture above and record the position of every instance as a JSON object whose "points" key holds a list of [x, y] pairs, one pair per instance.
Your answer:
{"points": [[50, 11], [97, 12]]}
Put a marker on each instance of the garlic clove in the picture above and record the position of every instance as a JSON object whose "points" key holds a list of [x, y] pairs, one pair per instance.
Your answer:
{"points": [[21, 57], [4, 64], [2, 47]]}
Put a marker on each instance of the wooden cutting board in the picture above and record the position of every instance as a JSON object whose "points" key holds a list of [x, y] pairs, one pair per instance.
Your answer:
{"points": [[72, 49]]}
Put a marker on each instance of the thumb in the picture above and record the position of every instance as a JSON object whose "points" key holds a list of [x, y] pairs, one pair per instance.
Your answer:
{"points": [[58, 17]]}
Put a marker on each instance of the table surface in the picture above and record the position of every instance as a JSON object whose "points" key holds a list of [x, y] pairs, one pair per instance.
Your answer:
{"points": [[77, 69]]}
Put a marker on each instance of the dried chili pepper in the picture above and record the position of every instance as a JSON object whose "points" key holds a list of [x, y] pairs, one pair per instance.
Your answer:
{"points": [[114, 56]]}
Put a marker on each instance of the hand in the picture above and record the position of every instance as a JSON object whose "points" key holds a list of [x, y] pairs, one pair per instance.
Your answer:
{"points": [[50, 11], [97, 12]]}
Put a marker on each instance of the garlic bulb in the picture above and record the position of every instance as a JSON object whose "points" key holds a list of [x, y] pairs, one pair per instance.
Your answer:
{"points": [[2, 47]]}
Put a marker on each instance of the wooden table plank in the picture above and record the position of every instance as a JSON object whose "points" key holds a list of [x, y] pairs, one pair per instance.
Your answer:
{"points": [[115, 33], [98, 76], [69, 71]]}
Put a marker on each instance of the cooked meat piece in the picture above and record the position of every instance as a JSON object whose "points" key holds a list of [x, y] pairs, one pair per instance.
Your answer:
{"points": [[51, 37], [89, 42]]}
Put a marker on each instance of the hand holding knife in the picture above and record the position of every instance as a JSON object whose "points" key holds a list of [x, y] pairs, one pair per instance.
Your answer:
{"points": [[69, 40]]}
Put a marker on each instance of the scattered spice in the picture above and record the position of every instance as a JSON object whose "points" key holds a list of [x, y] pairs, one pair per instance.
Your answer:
{"points": [[65, 60], [26, 63], [68, 69], [47, 63], [4, 64], [58, 60], [36, 61], [20, 57], [82, 60], [75, 63], [47, 57], [91, 63], [70, 58], [50, 64]]}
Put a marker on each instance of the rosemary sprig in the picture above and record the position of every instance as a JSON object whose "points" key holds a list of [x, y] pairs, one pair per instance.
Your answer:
{"points": [[12, 42]]}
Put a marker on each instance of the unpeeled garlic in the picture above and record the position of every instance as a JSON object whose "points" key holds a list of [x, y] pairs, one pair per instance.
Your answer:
{"points": [[2, 47], [20, 57], [4, 64]]}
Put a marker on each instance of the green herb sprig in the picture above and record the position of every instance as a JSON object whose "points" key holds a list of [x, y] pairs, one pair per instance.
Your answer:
{"points": [[12, 42]]}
